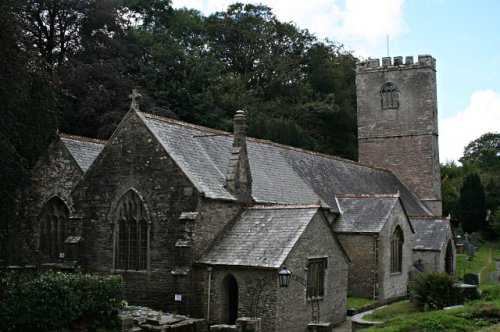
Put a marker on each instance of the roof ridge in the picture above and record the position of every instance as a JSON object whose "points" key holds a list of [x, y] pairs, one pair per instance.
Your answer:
{"points": [[368, 195], [427, 218], [283, 206], [258, 140], [82, 138]]}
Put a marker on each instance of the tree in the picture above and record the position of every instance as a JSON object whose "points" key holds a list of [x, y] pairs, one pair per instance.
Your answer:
{"points": [[472, 204], [484, 151], [28, 121]]}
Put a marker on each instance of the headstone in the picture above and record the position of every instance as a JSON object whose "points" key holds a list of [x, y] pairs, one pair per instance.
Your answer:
{"points": [[419, 265], [246, 324], [475, 239], [469, 249], [471, 279], [413, 273], [492, 276]]}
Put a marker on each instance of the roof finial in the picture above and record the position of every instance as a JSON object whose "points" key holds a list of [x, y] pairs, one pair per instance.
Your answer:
{"points": [[135, 99]]}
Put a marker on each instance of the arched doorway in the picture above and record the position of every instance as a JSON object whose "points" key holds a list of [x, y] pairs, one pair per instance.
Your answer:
{"points": [[231, 299], [448, 260]]}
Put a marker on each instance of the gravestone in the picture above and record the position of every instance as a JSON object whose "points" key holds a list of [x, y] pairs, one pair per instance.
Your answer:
{"points": [[413, 274], [471, 279], [419, 265], [469, 249], [475, 239]]}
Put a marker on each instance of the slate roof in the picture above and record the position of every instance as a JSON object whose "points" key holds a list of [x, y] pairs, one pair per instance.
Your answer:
{"points": [[83, 150], [260, 237], [430, 234], [363, 214], [280, 174]]}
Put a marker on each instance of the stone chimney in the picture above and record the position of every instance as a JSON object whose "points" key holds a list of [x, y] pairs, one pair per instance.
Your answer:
{"points": [[239, 178]]}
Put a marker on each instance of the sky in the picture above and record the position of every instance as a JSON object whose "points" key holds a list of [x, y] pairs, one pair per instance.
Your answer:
{"points": [[463, 36]]}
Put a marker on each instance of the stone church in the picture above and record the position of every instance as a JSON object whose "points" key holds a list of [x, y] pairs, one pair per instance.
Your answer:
{"points": [[194, 219]]}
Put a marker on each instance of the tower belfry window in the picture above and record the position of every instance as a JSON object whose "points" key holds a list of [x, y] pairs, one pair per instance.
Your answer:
{"points": [[389, 95]]}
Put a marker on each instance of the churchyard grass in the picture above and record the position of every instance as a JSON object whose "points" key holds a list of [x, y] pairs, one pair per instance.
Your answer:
{"points": [[479, 263], [386, 312], [358, 302], [401, 316], [464, 265]]}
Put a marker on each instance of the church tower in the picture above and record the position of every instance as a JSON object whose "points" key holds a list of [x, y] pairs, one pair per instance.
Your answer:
{"points": [[397, 122]]}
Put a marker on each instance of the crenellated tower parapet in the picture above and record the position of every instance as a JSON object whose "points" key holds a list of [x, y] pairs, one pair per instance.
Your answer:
{"points": [[397, 122], [424, 61]]}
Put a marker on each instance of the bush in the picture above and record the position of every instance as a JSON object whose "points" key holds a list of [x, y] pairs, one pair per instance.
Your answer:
{"points": [[54, 300], [433, 290]]}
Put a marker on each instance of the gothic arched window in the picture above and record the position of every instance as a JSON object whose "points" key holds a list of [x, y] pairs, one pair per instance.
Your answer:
{"points": [[389, 95], [53, 227], [132, 230], [397, 250]]}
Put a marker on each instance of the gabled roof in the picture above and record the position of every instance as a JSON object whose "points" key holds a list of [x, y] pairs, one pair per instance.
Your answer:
{"points": [[261, 236], [364, 214], [84, 150], [430, 234], [280, 174]]}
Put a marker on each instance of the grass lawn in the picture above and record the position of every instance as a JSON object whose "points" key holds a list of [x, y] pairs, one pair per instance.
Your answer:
{"points": [[358, 302], [480, 315], [480, 260], [401, 316]]}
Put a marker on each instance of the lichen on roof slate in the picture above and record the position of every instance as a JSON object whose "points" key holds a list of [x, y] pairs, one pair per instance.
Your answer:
{"points": [[83, 150], [430, 234], [280, 174], [366, 214], [260, 237]]}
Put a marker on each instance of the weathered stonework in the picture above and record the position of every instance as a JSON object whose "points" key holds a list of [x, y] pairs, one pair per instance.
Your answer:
{"points": [[55, 175], [133, 158], [403, 139], [370, 271], [394, 285], [284, 309]]}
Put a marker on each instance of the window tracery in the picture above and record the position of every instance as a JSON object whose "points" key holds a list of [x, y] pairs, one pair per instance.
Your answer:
{"points": [[53, 228], [389, 95], [397, 250], [132, 231]]}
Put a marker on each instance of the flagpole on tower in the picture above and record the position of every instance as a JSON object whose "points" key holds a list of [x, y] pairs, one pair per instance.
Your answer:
{"points": [[388, 45]]}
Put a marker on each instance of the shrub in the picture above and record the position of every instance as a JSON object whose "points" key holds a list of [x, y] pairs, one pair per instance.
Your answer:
{"points": [[433, 290], [54, 300]]}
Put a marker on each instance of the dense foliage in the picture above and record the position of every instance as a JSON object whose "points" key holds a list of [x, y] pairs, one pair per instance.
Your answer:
{"points": [[433, 290], [70, 65], [482, 158], [51, 301], [472, 204]]}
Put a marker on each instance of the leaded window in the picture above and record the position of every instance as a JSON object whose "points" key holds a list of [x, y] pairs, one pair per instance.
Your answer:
{"points": [[132, 231], [53, 228], [397, 250], [316, 277], [389, 95]]}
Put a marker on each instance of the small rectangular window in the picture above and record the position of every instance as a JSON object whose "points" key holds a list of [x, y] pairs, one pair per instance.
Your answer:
{"points": [[316, 277]]}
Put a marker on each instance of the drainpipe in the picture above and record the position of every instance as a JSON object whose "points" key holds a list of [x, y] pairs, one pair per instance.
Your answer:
{"points": [[375, 271], [209, 269]]}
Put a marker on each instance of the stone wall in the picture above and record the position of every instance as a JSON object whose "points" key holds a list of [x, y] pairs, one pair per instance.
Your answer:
{"points": [[133, 158], [294, 309], [430, 259], [403, 139], [282, 309], [362, 270], [394, 285], [55, 174]]}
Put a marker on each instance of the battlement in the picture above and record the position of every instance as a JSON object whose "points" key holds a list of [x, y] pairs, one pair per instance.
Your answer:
{"points": [[424, 60]]}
